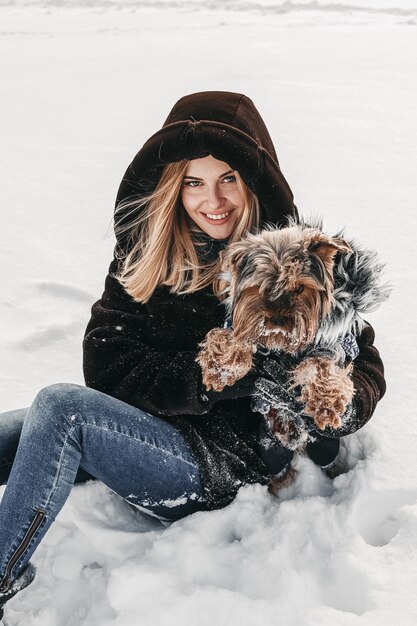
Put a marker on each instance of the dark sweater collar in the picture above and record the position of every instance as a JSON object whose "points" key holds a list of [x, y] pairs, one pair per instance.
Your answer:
{"points": [[208, 249]]}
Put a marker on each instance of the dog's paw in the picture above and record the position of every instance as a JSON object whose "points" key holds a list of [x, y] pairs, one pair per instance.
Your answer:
{"points": [[214, 381], [222, 359], [326, 409], [327, 417], [326, 390]]}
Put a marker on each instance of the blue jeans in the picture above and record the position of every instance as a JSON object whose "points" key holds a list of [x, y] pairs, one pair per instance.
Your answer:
{"points": [[71, 433]]}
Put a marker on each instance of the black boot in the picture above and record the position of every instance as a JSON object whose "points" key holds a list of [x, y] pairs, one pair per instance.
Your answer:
{"points": [[24, 580]]}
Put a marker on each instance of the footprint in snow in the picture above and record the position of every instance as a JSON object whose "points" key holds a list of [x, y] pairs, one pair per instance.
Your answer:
{"points": [[46, 335], [59, 320], [61, 290], [379, 515]]}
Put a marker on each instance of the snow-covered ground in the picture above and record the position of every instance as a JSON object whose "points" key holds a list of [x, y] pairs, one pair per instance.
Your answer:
{"points": [[82, 89]]}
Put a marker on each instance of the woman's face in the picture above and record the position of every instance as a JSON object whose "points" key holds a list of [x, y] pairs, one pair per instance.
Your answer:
{"points": [[211, 196]]}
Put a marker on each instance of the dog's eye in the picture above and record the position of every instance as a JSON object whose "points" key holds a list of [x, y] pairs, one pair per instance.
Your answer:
{"points": [[299, 289]]}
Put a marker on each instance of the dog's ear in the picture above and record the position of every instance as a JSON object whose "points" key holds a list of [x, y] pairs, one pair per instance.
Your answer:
{"points": [[229, 260], [233, 261], [232, 257], [221, 282], [326, 248]]}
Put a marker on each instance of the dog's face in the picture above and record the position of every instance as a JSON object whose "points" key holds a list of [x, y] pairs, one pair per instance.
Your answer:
{"points": [[281, 284]]}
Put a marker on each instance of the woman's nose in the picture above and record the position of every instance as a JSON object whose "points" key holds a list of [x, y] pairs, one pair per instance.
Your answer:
{"points": [[214, 198]]}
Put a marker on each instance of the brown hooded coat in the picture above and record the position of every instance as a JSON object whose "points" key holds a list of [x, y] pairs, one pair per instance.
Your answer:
{"points": [[148, 356]]}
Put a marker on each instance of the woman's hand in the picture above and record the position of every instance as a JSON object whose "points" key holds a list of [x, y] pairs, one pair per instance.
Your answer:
{"points": [[277, 402], [273, 386]]}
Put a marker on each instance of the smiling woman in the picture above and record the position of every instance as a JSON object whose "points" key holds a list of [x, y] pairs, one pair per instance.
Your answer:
{"points": [[212, 197]]}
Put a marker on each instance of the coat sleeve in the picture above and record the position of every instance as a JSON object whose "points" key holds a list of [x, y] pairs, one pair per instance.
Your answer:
{"points": [[369, 383], [118, 361]]}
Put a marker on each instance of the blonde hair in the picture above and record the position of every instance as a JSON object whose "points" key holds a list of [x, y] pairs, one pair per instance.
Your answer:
{"points": [[159, 238]]}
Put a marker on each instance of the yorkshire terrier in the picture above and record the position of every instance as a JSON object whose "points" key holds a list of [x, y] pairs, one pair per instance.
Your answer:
{"points": [[298, 292]]}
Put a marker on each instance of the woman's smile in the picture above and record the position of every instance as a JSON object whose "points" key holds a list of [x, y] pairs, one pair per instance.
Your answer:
{"points": [[217, 219]]}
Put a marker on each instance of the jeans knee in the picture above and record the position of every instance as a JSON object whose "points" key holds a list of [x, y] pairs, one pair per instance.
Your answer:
{"points": [[57, 401]]}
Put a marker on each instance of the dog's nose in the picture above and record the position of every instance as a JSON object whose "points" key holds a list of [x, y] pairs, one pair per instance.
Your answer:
{"points": [[278, 320]]}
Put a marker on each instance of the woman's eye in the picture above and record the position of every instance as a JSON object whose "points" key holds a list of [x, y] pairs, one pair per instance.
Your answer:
{"points": [[198, 183], [191, 183]]}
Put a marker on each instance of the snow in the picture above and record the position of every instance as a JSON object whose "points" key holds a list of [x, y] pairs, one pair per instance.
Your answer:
{"points": [[82, 88]]}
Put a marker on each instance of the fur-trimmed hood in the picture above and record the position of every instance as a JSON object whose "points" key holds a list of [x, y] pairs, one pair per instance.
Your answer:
{"points": [[226, 125]]}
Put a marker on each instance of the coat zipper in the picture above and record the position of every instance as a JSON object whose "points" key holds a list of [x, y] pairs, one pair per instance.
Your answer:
{"points": [[4, 586]]}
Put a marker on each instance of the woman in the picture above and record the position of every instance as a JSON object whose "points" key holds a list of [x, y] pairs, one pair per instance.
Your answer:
{"points": [[144, 425]]}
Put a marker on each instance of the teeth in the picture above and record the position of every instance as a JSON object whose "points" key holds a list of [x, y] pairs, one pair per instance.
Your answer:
{"points": [[217, 217]]}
